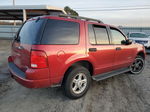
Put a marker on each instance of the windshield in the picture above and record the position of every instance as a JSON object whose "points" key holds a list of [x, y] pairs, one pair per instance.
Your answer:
{"points": [[138, 35]]}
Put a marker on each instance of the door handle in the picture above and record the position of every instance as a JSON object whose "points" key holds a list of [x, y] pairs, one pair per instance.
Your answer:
{"points": [[118, 48], [92, 49]]}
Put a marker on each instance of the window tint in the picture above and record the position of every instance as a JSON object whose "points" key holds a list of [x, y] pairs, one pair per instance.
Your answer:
{"points": [[117, 36], [91, 34], [61, 32], [30, 32], [101, 35]]}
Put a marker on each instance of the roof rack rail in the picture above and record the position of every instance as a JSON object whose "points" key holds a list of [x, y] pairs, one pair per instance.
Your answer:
{"points": [[80, 17]]}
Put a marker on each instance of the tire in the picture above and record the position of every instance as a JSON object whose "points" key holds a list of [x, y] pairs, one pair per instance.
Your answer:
{"points": [[141, 64], [77, 82]]}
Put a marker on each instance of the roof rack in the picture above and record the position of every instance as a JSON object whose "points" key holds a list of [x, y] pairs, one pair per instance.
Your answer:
{"points": [[80, 17]]}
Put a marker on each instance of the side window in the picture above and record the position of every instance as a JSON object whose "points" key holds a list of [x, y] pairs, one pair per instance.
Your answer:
{"points": [[117, 36], [98, 34], [101, 35], [91, 34], [61, 32]]}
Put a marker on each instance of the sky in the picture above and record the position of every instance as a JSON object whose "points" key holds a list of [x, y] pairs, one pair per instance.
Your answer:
{"points": [[109, 11]]}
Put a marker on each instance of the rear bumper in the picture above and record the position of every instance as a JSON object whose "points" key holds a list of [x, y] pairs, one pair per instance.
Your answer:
{"points": [[29, 79]]}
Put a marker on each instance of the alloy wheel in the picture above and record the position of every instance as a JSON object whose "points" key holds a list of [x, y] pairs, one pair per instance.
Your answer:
{"points": [[79, 83], [137, 66]]}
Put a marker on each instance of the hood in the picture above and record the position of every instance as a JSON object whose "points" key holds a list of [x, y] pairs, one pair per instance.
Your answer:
{"points": [[145, 39]]}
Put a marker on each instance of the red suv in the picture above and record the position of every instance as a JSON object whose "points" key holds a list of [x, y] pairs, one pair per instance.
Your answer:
{"points": [[69, 51]]}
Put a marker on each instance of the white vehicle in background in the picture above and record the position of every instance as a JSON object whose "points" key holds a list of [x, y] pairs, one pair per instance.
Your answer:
{"points": [[139, 37]]}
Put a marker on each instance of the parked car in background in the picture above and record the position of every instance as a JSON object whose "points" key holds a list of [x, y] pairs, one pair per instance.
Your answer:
{"points": [[140, 37], [70, 51]]}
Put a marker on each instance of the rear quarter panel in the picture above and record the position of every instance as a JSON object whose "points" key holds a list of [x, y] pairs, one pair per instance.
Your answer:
{"points": [[60, 57]]}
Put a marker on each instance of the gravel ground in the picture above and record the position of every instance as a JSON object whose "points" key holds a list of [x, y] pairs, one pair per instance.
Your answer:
{"points": [[123, 93]]}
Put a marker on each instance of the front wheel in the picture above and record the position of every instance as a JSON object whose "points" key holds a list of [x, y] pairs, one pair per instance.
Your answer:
{"points": [[77, 82], [138, 65]]}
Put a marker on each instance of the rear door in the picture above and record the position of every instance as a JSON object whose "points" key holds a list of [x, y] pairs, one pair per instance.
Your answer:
{"points": [[29, 34], [99, 48]]}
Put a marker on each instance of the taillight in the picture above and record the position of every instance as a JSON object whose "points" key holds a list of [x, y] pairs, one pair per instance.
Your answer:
{"points": [[38, 59], [10, 59]]}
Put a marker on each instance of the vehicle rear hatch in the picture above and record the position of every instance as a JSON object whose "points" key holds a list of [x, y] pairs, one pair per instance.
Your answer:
{"points": [[29, 34]]}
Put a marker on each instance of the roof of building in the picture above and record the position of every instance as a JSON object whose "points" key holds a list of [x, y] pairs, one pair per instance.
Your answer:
{"points": [[16, 12]]}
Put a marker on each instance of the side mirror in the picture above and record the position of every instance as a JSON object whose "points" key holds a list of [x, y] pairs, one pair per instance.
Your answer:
{"points": [[126, 42], [129, 41]]}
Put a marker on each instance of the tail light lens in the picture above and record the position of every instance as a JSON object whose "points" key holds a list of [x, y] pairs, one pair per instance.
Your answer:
{"points": [[10, 59], [38, 59]]}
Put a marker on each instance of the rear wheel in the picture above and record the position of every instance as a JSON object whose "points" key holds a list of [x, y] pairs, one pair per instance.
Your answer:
{"points": [[77, 82], [138, 65]]}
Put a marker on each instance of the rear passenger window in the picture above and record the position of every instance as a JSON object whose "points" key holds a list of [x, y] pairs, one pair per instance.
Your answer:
{"points": [[91, 34], [101, 35], [98, 34], [61, 32]]}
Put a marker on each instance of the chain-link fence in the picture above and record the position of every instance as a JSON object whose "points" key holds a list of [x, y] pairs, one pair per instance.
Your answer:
{"points": [[8, 31], [126, 30]]}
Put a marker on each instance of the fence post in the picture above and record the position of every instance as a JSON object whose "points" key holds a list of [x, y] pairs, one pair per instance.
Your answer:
{"points": [[24, 15]]}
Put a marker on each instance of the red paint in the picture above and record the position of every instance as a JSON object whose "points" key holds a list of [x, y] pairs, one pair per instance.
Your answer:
{"points": [[56, 59]]}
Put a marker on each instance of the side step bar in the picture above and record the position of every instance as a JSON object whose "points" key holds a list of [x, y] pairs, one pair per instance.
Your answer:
{"points": [[110, 74]]}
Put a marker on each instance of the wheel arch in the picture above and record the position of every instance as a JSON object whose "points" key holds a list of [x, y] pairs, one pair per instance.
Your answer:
{"points": [[142, 54], [85, 63]]}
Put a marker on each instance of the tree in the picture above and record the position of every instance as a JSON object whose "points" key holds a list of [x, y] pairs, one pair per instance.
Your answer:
{"points": [[70, 11]]}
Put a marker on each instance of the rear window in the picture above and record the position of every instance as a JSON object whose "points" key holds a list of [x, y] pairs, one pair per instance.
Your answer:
{"points": [[60, 32], [30, 32]]}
